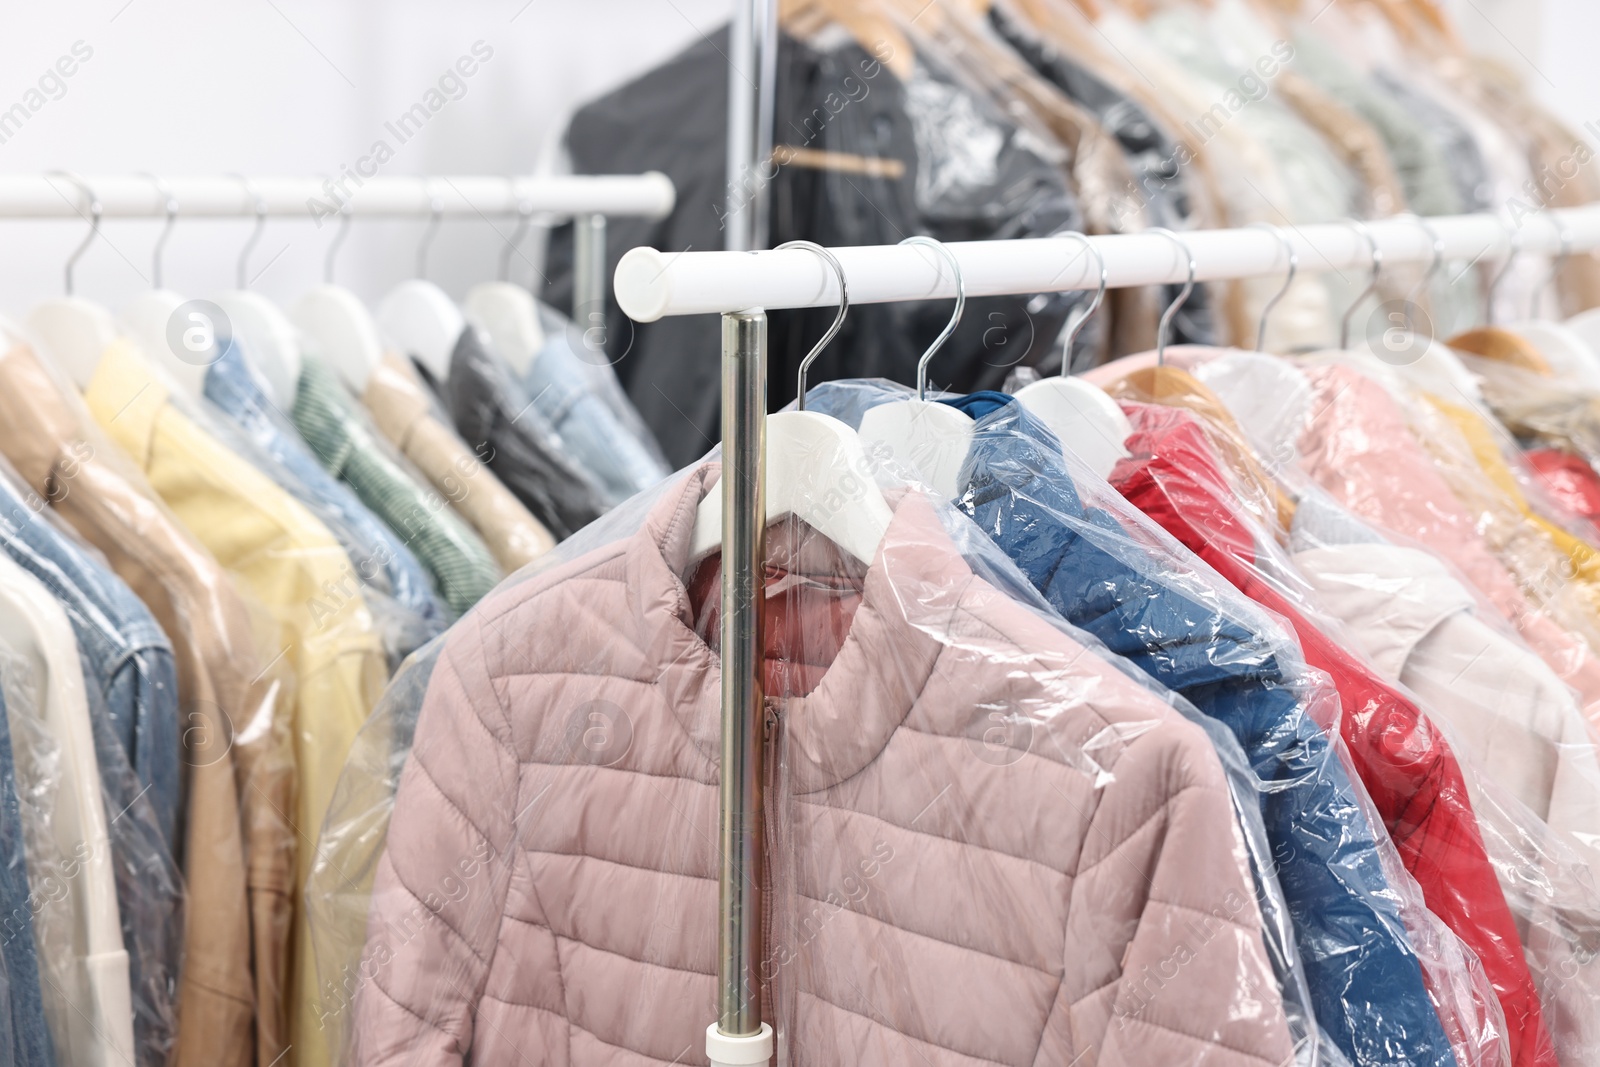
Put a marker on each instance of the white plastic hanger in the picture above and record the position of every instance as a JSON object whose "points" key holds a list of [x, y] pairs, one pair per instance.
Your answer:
{"points": [[145, 319], [269, 340], [418, 317], [1085, 419], [74, 331], [338, 324], [507, 312], [813, 461], [932, 438]]}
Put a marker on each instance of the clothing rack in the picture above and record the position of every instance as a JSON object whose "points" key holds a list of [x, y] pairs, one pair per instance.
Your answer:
{"points": [[588, 200], [741, 285]]}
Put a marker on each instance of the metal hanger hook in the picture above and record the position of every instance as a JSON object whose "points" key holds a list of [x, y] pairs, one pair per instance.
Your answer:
{"points": [[95, 211], [1434, 265], [1183, 298], [1077, 325], [260, 201], [524, 220], [169, 204], [1553, 280], [838, 320], [1372, 282], [333, 246], [1513, 250], [955, 319], [1294, 268], [435, 216]]}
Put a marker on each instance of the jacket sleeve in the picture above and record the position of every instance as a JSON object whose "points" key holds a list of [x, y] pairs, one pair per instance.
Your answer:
{"points": [[440, 887]]}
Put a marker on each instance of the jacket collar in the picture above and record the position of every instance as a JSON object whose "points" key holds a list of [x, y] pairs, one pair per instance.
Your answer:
{"points": [[912, 590]]}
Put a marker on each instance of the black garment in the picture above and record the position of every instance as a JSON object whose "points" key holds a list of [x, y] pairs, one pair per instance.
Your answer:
{"points": [[497, 420], [970, 173], [1152, 154]]}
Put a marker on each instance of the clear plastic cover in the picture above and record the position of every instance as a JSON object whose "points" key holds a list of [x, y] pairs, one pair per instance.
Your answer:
{"points": [[1360, 918], [107, 977], [130, 694], [571, 375], [237, 842], [236, 411], [1191, 476], [407, 413], [923, 710], [340, 432], [1352, 435], [279, 553], [1528, 761]]}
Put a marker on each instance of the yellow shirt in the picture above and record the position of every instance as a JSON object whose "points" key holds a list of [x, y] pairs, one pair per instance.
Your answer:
{"points": [[297, 569]]}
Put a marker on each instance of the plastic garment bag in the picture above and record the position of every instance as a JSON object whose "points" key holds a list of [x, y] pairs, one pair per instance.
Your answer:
{"points": [[572, 384], [279, 553], [407, 412], [237, 846], [1532, 761], [23, 1030], [1406, 763], [88, 999], [1511, 717], [1348, 433], [131, 694], [1109, 570], [503, 425], [393, 584], [924, 728]]}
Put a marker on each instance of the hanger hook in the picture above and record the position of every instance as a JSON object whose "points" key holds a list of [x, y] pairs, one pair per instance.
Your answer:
{"points": [[260, 203], [95, 211], [524, 220], [1438, 255], [1372, 282], [1294, 268], [333, 246], [1183, 297], [1513, 250], [955, 319], [435, 215], [169, 204], [1564, 234], [838, 320], [1077, 325]]}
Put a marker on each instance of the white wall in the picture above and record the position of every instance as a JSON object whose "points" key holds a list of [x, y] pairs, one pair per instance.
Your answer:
{"points": [[300, 87], [1552, 43]]}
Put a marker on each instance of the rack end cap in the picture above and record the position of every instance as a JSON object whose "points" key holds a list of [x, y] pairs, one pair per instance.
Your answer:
{"points": [[643, 286]]}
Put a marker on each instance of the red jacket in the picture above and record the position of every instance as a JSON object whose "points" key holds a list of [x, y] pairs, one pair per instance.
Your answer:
{"points": [[1174, 477], [1569, 479]]}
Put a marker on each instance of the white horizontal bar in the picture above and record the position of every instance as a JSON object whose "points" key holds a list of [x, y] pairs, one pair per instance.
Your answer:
{"points": [[651, 285], [136, 196]]}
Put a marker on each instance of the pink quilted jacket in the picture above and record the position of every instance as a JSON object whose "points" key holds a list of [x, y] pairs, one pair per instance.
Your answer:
{"points": [[988, 845]]}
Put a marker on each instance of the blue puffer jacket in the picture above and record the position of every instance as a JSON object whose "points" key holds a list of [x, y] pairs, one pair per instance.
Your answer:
{"points": [[1366, 982]]}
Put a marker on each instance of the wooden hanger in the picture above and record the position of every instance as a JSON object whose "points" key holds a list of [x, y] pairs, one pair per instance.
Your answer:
{"points": [[872, 29], [1496, 342], [1174, 387]]}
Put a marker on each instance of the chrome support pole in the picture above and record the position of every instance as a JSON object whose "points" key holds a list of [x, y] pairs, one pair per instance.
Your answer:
{"points": [[752, 85], [744, 418], [589, 273]]}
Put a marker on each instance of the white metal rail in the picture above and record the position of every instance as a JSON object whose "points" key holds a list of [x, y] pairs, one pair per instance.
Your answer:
{"points": [[651, 284]]}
